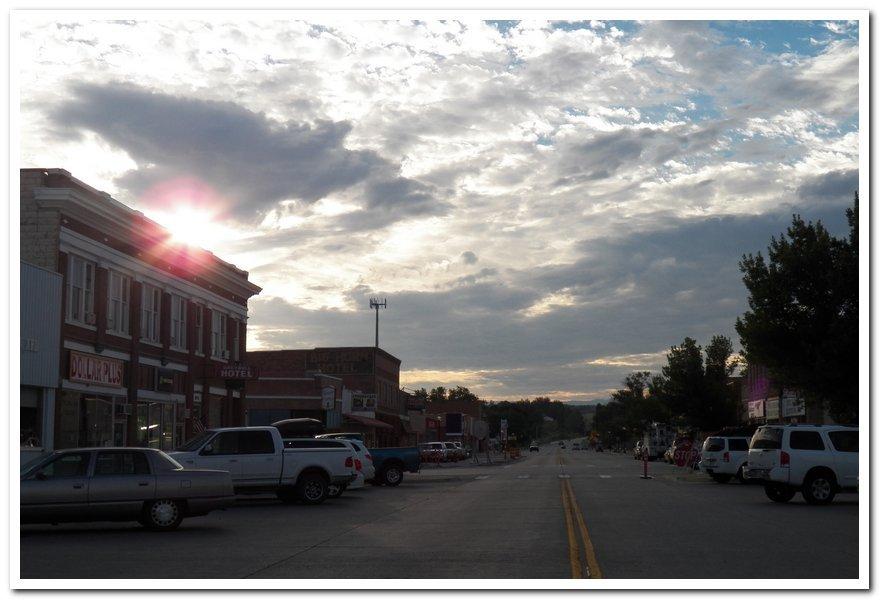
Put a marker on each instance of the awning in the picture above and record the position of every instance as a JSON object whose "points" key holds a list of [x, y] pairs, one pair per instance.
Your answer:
{"points": [[369, 422]]}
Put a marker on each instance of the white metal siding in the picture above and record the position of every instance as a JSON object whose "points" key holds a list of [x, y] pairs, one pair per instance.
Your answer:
{"points": [[40, 326]]}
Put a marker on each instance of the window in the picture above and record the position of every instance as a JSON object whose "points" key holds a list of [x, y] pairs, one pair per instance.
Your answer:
{"points": [[81, 290], [235, 340], [255, 442], [178, 322], [806, 440], [150, 305], [767, 438], [200, 329], [67, 465], [737, 445], [31, 417], [118, 291], [122, 463], [714, 444], [218, 334], [845, 441], [225, 443]]}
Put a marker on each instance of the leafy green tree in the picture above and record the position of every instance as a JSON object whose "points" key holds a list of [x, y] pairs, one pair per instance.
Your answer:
{"points": [[802, 322], [438, 394], [683, 381], [459, 393]]}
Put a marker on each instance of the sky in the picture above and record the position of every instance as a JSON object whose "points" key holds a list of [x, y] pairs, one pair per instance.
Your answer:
{"points": [[546, 205]]}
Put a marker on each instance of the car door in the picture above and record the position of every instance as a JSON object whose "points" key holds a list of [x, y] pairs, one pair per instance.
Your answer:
{"points": [[260, 464], [846, 456], [807, 451], [120, 484], [57, 491], [221, 453]]}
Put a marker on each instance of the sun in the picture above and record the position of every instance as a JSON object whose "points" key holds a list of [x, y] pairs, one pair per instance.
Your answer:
{"points": [[191, 226]]}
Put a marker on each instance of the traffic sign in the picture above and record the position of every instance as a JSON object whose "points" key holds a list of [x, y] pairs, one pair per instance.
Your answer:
{"points": [[480, 429]]}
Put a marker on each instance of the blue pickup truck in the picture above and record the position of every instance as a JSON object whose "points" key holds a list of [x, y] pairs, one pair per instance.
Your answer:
{"points": [[390, 463]]}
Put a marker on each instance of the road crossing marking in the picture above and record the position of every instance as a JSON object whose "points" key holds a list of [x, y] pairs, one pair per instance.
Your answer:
{"points": [[564, 476], [605, 476], [523, 476], [482, 477]]}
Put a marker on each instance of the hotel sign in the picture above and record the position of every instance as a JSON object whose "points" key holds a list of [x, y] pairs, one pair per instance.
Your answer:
{"points": [[235, 371], [90, 368]]}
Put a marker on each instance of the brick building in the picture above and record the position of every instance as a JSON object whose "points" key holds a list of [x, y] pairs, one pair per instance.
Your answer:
{"points": [[370, 401], [152, 336], [765, 400]]}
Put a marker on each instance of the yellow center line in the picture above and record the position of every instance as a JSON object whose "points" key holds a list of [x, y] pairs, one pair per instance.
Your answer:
{"points": [[593, 570], [573, 551]]}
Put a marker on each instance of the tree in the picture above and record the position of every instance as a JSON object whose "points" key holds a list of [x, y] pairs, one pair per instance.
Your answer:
{"points": [[683, 381], [463, 394], [802, 322], [438, 394]]}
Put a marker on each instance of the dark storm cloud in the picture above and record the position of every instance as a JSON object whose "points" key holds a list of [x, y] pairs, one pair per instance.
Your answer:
{"points": [[468, 258], [634, 294], [252, 159], [835, 186]]}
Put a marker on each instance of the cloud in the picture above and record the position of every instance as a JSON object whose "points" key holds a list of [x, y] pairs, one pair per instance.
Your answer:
{"points": [[831, 187], [254, 161], [469, 258]]}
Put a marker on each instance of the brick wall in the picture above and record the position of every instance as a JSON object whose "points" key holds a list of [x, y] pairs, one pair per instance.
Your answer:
{"points": [[39, 229]]}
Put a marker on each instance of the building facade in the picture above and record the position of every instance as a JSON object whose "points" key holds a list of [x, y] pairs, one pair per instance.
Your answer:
{"points": [[765, 400], [40, 331], [370, 398], [152, 332]]}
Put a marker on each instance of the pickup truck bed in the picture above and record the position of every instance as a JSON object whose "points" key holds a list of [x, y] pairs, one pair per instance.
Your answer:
{"points": [[391, 463]]}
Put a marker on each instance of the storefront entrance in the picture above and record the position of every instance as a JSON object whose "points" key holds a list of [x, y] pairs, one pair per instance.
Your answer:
{"points": [[158, 425]]}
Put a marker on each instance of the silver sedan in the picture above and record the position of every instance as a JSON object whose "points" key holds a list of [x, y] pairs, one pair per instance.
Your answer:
{"points": [[119, 484]]}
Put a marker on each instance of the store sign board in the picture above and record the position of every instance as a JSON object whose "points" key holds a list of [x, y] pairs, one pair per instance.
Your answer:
{"points": [[756, 409], [90, 368], [328, 398], [361, 401], [235, 371], [792, 405], [771, 408]]}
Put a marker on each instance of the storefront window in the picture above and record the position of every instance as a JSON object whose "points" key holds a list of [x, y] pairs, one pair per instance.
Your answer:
{"points": [[156, 425], [31, 417], [96, 422]]}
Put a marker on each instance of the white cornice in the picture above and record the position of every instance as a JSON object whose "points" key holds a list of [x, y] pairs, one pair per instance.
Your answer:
{"points": [[94, 250], [121, 215]]}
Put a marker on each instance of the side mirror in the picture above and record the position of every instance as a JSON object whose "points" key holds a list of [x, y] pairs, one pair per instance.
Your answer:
{"points": [[209, 449]]}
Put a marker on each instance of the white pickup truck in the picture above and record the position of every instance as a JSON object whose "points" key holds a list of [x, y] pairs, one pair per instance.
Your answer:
{"points": [[259, 460]]}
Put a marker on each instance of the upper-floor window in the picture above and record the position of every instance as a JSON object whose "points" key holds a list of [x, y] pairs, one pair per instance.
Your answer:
{"points": [[236, 327], [200, 329], [150, 306], [178, 322], [81, 290], [118, 293], [218, 334]]}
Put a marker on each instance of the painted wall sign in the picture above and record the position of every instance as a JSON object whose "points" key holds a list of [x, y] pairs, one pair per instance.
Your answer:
{"points": [[90, 368]]}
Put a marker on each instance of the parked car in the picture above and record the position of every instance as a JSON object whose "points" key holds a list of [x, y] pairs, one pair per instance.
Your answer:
{"points": [[462, 451], [260, 460], [533, 447], [452, 452], [819, 461], [575, 445], [723, 457], [363, 464], [434, 452], [391, 463], [299, 428], [120, 484]]}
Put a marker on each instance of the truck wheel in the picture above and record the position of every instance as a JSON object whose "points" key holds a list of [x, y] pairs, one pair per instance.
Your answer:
{"points": [[779, 493], [312, 488], [162, 515], [740, 476], [392, 476], [819, 488], [335, 491], [721, 478]]}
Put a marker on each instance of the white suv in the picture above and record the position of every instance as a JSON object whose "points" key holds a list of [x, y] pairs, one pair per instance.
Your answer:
{"points": [[723, 457], [817, 460]]}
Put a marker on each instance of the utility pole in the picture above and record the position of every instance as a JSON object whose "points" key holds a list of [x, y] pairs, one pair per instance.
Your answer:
{"points": [[374, 303]]}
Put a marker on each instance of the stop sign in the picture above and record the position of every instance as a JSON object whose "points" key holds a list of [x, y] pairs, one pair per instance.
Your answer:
{"points": [[682, 453]]}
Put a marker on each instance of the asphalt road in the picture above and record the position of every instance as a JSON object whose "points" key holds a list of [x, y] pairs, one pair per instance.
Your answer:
{"points": [[464, 521]]}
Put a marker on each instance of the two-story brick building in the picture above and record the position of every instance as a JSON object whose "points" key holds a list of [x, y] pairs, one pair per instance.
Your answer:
{"points": [[149, 327], [371, 400]]}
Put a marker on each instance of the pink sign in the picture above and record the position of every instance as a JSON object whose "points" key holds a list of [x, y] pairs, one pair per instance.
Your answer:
{"points": [[89, 368]]}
